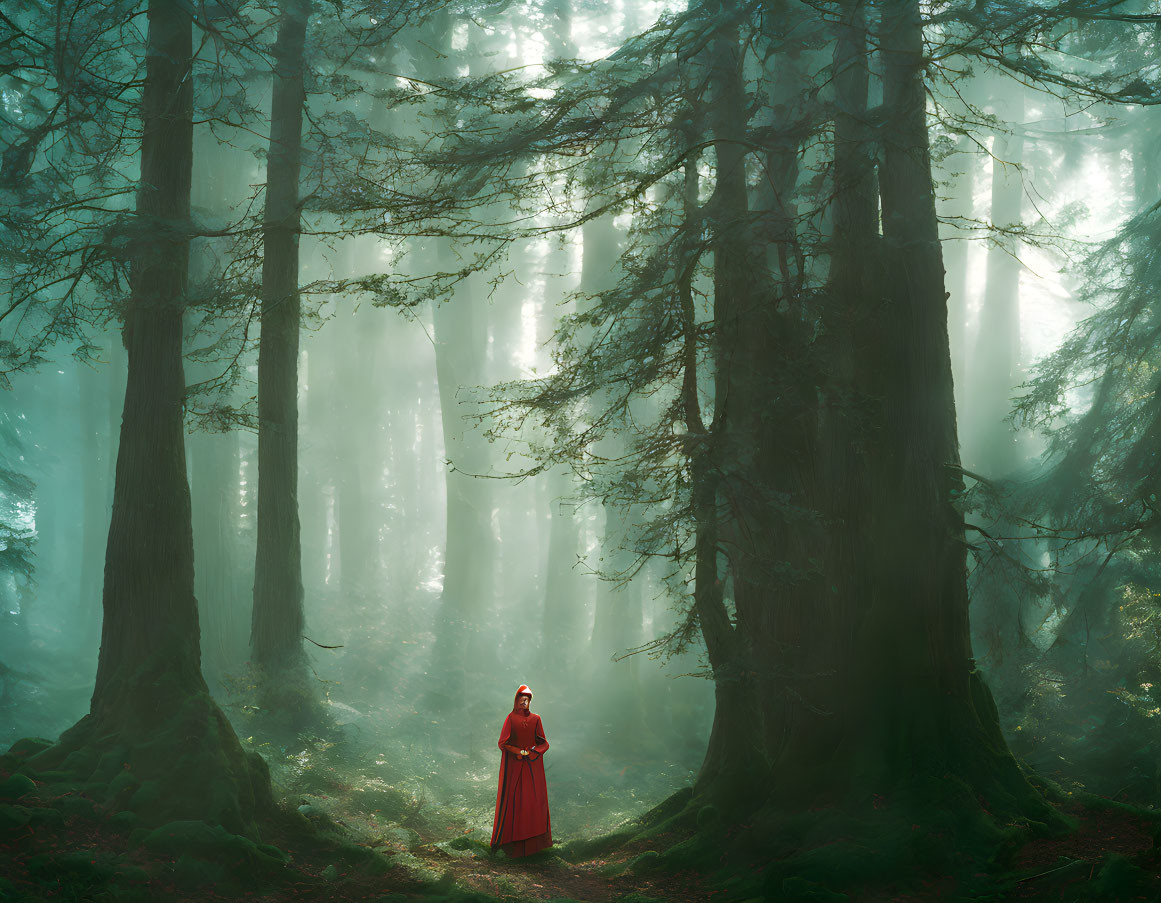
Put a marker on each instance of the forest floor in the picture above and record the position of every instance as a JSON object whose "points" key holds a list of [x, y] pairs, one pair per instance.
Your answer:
{"points": [[1111, 855], [433, 852], [409, 819]]}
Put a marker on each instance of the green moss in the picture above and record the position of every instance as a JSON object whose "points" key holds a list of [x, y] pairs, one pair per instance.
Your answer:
{"points": [[44, 818], [56, 777], [362, 859], [272, 851], [84, 870], [28, 747], [73, 806], [579, 850], [649, 861], [112, 762], [799, 890], [124, 820], [383, 802], [13, 819], [81, 761], [147, 799], [214, 843], [671, 806], [701, 851], [190, 872], [17, 819], [16, 786], [188, 765], [123, 786], [1120, 879]]}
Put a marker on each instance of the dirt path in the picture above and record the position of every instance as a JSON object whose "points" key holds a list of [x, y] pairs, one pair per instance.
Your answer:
{"points": [[547, 877]]}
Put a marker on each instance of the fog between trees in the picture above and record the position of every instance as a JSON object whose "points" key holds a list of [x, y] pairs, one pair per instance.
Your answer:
{"points": [[771, 387]]}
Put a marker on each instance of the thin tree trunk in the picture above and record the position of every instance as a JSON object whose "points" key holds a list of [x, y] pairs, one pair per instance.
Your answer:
{"points": [[469, 551], [278, 619], [993, 450]]}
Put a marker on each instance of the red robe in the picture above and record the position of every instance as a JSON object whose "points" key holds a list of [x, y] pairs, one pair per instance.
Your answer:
{"points": [[521, 825]]}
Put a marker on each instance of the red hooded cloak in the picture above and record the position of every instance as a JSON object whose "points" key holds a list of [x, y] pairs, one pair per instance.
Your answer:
{"points": [[521, 825]]}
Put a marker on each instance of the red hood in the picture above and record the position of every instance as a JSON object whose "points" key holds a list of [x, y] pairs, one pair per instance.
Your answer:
{"points": [[523, 691]]}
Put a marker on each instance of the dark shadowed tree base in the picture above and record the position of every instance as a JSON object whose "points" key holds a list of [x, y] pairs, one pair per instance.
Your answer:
{"points": [[945, 809], [735, 775], [927, 842], [189, 766], [287, 702]]}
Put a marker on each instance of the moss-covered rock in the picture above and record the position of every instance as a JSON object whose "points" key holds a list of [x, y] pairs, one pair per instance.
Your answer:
{"points": [[16, 786], [597, 847], [28, 747], [77, 870], [215, 844], [191, 872], [123, 787], [19, 819], [46, 818], [124, 820], [645, 863], [184, 764], [147, 797], [13, 819], [75, 806], [1120, 879], [799, 890]]}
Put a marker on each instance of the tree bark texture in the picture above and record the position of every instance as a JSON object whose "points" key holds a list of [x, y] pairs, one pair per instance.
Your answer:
{"points": [[766, 404], [151, 716], [150, 611], [278, 619], [916, 705]]}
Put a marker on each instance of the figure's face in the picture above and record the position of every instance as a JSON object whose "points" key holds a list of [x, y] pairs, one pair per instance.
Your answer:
{"points": [[524, 703]]}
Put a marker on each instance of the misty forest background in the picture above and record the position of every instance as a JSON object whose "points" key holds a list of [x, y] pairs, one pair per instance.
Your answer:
{"points": [[770, 386]]}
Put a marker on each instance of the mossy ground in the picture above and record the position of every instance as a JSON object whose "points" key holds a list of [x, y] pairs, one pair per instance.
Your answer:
{"points": [[348, 828]]}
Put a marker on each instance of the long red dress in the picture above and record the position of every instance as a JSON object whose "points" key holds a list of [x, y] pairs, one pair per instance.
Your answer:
{"points": [[521, 825]]}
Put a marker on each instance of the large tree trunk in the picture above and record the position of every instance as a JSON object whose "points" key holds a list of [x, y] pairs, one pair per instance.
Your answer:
{"points": [[96, 482], [735, 769], [913, 703], [766, 405], [852, 326], [220, 577], [276, 629], [151, 715]]}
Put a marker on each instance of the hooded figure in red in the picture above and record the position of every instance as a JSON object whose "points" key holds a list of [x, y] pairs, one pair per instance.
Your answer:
{"points": [[521, 826]]}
